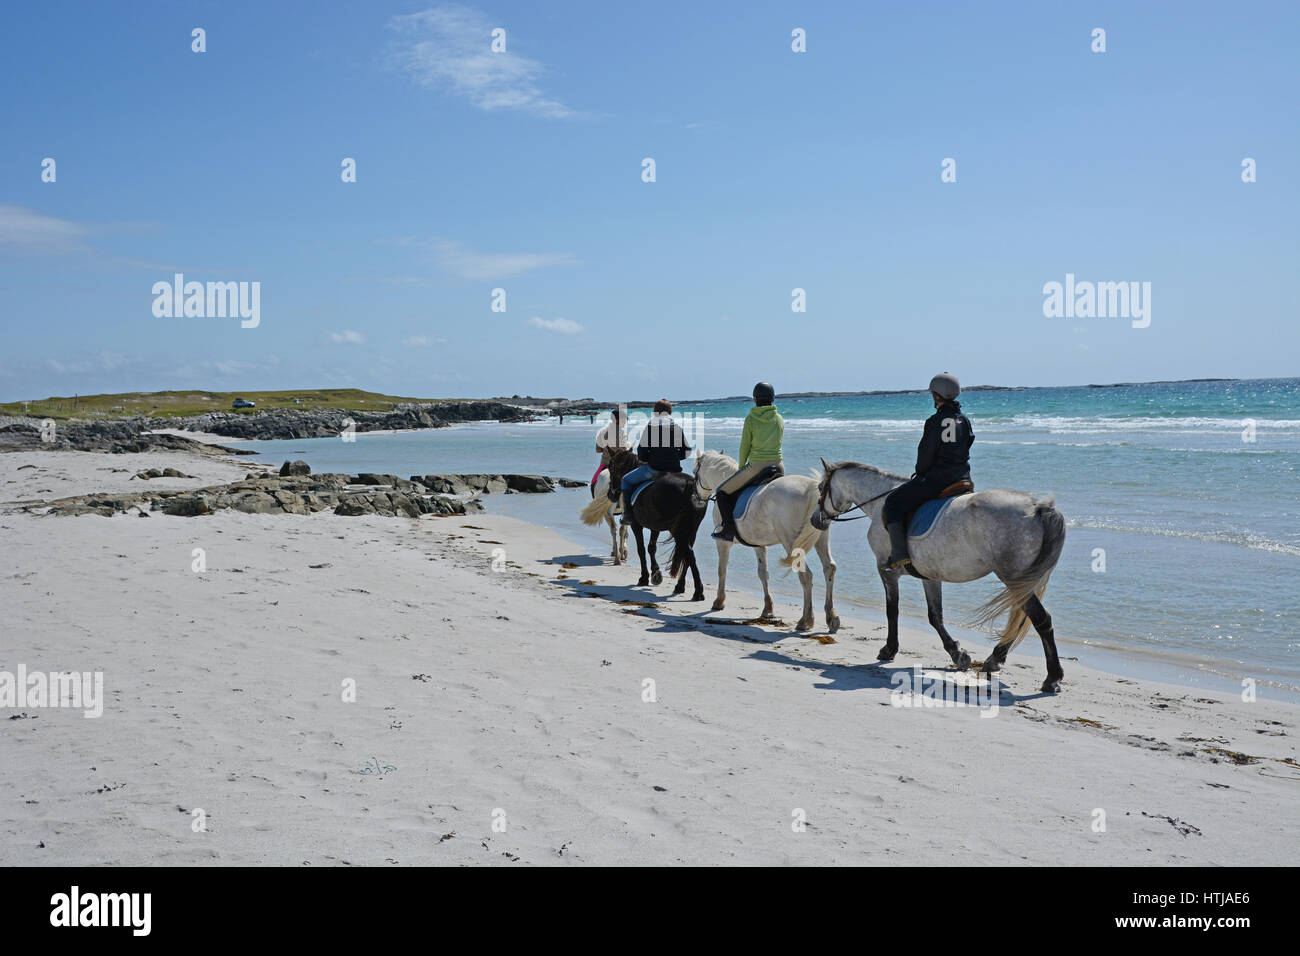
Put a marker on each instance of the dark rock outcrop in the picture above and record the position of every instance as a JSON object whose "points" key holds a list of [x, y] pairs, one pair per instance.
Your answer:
{"points": [[269, 494], [298, 467]]}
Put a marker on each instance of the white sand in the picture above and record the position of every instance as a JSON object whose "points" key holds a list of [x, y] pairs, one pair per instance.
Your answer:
{"points": [[517, 691]]}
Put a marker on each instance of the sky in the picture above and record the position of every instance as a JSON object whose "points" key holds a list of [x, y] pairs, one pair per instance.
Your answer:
{"points": [[522, 170]]}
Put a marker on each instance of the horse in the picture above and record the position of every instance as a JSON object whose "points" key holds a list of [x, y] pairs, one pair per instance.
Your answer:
{"points": [[1012, 534], [667, 505], [617, 530], [777, 513]]}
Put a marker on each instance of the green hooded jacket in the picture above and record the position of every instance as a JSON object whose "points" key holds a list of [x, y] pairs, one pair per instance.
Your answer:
{"points": [[761, 438]]}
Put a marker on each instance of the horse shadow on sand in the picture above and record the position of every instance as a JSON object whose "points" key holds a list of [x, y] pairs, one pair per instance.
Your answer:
{"points": [[660, 613]]}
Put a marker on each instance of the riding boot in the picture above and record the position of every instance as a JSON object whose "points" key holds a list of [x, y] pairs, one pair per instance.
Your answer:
{"points": [[898, 556], [728, 530]]}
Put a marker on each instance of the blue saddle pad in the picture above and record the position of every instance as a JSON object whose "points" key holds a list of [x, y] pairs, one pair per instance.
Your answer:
{"points": [[742, 502], [924, 517], [631, 499]]}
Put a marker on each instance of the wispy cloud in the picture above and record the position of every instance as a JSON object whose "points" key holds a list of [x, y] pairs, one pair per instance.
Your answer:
{"points": [[423, 341], [559, 326], [347, 337], [453, 257], [449, 47], [30, 231]]}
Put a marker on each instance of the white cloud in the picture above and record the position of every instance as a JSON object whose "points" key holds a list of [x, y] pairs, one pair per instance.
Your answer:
{"points": [[468, 264], [449, 47], [30, 231], [560, 326], [423, 341], [348, 337]]}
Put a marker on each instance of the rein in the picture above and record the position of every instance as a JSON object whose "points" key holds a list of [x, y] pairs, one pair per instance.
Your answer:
{"points": [[821, 503]]}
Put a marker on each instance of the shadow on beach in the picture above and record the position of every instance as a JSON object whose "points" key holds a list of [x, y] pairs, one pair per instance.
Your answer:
{"points": [[646, 603]]}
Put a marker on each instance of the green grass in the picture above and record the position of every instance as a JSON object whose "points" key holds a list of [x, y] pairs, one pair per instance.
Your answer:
{"points": [[181, 404]]}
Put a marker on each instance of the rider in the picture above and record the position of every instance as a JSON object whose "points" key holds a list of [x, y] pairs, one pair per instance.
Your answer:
{"points": [[942, 458], [760, 446], [611, 438], [661, 449]]}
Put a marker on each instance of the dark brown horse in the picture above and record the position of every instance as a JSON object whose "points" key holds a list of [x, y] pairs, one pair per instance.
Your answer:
{"points": [[667, 505]]}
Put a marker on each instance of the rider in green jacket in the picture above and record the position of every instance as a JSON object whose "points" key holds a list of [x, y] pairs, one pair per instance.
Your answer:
{"points": [[760, 446]]}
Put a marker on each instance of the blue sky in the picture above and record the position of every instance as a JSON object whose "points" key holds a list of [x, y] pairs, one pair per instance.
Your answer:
{"points": [[522, 170]]}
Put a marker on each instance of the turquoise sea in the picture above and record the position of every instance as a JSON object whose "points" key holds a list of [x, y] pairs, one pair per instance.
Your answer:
{"points": [[1192, 489]]}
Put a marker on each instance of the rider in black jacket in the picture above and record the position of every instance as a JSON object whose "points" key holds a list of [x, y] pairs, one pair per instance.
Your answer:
{"points": [[942, 458]]}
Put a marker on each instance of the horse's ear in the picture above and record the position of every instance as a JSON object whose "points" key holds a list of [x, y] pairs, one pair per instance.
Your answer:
{"points": [[826, 466]]}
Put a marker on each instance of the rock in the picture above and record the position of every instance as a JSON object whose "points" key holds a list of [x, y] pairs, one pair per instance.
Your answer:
{"points": [[151, 473], [530, 484], [572, 483], [366, 478], [188, 506], [299, 467]]}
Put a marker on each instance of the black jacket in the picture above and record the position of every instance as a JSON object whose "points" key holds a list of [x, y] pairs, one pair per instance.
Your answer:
{"points": [[944, 452], [663, 444]]}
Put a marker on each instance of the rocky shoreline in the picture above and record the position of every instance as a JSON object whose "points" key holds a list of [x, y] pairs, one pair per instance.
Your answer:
{"points": [[134, 434], [296, 491]]}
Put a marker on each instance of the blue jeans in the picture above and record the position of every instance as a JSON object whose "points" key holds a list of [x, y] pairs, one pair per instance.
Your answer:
{"points": [[636, 476]]}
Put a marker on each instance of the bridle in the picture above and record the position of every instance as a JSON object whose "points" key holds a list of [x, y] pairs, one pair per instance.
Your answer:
{"points": [[695, 489], [825, 511]]}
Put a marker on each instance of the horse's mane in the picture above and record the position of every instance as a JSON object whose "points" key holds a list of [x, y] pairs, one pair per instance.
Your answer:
{"points": [[882, 472]]}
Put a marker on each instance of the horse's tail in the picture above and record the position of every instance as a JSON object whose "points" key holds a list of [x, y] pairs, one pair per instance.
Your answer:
{"points": [[685, 526], [596, 512], [1032, 581], [807, 537]]}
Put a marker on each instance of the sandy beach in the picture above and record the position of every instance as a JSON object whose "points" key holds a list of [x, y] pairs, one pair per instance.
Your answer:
{"points": [[502, 712]]}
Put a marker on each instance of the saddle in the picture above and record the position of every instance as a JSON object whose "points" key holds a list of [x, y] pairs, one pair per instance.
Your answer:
{"points": [[768, 475], [920, 521]]}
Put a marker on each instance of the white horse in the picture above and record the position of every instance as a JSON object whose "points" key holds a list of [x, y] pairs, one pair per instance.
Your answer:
{"points": [[778, 513], [617, 531], [1011, 534]]}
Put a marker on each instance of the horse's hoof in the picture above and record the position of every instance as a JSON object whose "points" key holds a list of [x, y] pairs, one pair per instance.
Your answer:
{"points": [[990, 668], [962, 661], [697, 596], [1051, 686], [680, 589], [642, 581], [656, 578], [804, 626], [719, 604], [832, 624], [887, 654]]}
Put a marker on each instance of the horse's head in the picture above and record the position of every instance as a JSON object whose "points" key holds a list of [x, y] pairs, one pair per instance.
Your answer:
{"points": [[621, 462], [821, 518], [712, 468]]}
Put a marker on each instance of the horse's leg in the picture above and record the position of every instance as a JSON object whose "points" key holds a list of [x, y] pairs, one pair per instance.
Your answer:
{"points": [[622, 541], [724, 552], [806, 622], [934, 609], [656, 577], [695, 576], [640, 550], [680, 587], [1042, 622], [613, 538], [890, 580], [761, 554], [828, 569]]}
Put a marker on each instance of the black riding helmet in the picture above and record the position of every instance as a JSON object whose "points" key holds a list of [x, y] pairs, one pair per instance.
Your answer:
{"points": [[764, 393]]}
